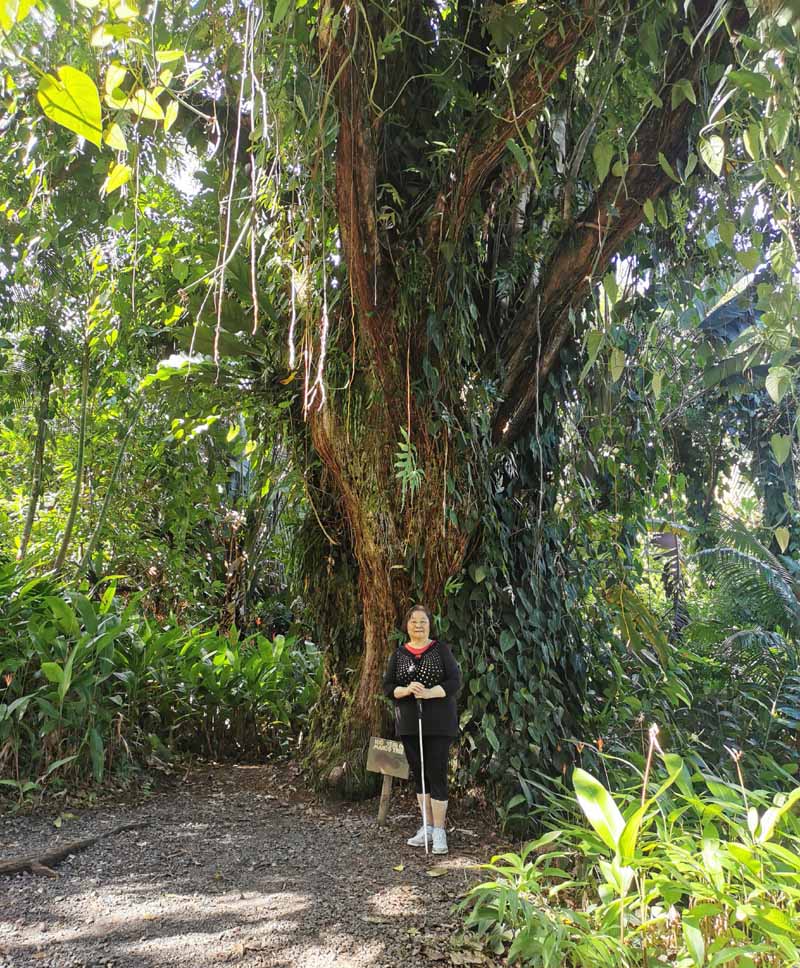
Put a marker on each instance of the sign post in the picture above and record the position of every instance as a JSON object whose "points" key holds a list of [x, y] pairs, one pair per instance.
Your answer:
{"points": [[388, 757]]}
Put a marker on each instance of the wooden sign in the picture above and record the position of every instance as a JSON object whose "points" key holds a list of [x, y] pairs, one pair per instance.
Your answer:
{"points": [[387, 756]]}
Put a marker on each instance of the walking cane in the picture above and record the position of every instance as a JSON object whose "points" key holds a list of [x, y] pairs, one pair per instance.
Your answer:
{"points": [[422, 770]]}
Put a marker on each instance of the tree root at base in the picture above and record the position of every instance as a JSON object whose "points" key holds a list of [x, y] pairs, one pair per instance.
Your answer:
{"points": [[43, 863]]}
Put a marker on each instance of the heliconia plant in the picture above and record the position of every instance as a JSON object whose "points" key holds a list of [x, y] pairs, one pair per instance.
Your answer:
{"points": [[699, 874]]}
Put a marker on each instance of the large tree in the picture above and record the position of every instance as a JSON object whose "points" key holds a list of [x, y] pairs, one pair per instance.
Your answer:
{"points": [[416, 205]]}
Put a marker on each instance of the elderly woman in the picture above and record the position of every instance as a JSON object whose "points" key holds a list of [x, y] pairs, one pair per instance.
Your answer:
{"points": [[424, 669]]}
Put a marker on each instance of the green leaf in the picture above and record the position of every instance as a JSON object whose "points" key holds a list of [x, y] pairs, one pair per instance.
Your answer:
{"points": [[73, 101], [519, 155], [602, 153], [599, 808], [782, 536], [779, 126], [649, 211], [695, 942], [667, 167], [772, 815], [617, 363], [691, 164], [778, 382], [170, 115], [13, 12], [118, 175], [752, 141], [726, 231], [712, 151], [281, 9], [749, 259], [97, 751], [53, 672], [756, 84], [781, 446], [658, 382], [144, 105], [682, 90], [594, 340], [169, 56], [114, 137]]}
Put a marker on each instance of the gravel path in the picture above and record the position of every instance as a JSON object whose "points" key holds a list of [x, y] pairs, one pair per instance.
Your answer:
{"points": [[237, 865]]}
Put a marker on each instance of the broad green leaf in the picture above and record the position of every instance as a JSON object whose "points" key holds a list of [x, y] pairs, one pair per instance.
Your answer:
{"points": [[53, 672], [682, 90], [519, 155], [594, 340], [691, 164], [779, 126], [726, 231], [124, 10], [281, 9], [667, 167], [649, 211], [756, 84], [599, 807], [118, 175], [170, 115], [658, 381], [97, 751], [114, 137], [233, 433], [144, 105], [772, 815], [778, 382], [115, 76], [782, 536], [749, 259], [169, 56], [752, 141], [781, 446], [712, 151], [695, 942], [13, 12], [602, 153], [71, 99], [616, 363]]}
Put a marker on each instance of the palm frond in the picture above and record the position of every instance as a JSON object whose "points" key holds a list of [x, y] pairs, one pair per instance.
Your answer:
{"points": [[754, 584]]}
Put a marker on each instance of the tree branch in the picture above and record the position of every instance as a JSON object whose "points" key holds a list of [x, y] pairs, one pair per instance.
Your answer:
{"points": [[356, 163], [481, 149], [587, 247]]}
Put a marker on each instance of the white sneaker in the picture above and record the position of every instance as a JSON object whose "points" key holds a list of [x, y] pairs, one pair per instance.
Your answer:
{"points": [[418, 840], [439, 840]]}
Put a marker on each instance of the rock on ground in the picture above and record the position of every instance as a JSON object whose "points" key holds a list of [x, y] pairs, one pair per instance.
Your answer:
{"points": [[237, 865]]}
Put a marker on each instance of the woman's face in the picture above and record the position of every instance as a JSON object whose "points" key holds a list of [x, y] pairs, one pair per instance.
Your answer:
{"points": [[418, 625]]}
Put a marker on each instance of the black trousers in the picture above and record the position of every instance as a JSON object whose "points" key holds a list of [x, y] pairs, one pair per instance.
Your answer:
{"points": [[437, 757]]}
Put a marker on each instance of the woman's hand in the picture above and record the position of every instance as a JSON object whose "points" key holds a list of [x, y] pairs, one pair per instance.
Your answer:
{"points": [[418, 691], [402, 692]]}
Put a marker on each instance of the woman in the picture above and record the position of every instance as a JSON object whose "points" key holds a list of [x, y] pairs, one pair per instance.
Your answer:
{"points": [[424, 669]]}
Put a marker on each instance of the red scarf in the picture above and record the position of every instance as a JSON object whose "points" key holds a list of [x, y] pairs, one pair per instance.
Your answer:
{"points": [[418, 650]]}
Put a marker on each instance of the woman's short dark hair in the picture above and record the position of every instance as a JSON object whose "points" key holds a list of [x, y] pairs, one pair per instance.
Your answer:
{"points": [[417, 608]]}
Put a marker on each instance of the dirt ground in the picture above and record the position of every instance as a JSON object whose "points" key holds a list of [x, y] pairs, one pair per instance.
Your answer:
{"points": [[239, 865]]}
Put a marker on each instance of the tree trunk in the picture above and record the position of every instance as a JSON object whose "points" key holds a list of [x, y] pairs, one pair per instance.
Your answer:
{"points": [[76, 492], [42, 414]]}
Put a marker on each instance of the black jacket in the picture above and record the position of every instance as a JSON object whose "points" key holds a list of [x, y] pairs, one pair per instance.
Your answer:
{"points": [[435, 667]]}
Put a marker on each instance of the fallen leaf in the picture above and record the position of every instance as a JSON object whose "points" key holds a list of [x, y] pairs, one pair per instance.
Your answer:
{"points": [[438, 871], [400, 867]]}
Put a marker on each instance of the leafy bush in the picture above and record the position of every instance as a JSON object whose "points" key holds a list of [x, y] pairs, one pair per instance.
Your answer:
{"points": [[87, 687], [702, 872]]}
